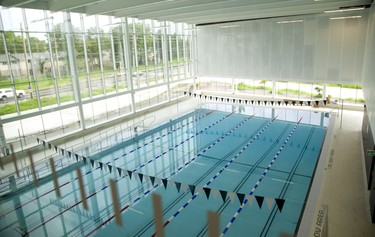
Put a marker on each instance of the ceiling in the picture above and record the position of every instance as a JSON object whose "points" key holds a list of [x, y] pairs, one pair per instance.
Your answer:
{"points": [[197, 12]]}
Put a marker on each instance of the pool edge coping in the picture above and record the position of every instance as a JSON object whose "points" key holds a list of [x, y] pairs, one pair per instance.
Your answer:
{"points": [[311, 209]]}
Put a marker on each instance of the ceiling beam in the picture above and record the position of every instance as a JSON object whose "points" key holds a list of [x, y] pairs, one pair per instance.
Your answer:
{"points": [[111, 5], [63, 5], [170, 10], [313, 8], [40, 5], [225, 7], [15, 3], [246, 14], [171, 5]]}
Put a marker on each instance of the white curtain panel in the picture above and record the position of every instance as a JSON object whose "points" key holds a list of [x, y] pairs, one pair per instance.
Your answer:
{"points": [[311, 48]]}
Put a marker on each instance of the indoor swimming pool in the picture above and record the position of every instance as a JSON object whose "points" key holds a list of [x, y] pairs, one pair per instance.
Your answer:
{"points": [[253, 166]]}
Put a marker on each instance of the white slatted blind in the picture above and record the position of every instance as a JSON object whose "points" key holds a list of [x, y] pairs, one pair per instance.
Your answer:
{"points": [[369, 69], [318, 49]]}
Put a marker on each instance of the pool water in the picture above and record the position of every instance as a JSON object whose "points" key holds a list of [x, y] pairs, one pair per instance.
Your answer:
{"points": [[225, 150]]}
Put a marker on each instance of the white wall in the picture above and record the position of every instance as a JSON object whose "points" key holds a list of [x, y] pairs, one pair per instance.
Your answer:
{"points": [[369, 69], [316, 50]]}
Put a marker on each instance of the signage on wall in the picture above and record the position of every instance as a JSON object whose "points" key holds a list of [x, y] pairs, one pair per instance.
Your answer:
{"points": [[370, 152]]}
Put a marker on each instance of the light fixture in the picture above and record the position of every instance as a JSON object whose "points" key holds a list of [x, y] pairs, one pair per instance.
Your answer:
{"points": [[345, 17], [159, 27], [190, 29], [113, 24], [229, 26], [346, 9], [293, 21], [44, 19]]}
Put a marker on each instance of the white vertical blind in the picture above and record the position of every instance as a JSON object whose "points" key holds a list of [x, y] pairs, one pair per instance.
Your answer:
{"points": [[369, 69], [313, 49]]}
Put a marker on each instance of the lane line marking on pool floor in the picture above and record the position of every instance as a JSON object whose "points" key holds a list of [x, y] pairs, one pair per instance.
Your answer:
{"points": [[200, 117], [175, 172], [235, 171], [182, 142], [138, 198], [217, 174], [233, 219], [198, 163], [132, 209], [284, 181]]}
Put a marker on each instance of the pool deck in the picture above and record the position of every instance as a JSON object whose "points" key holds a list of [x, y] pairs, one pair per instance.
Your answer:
{"points": [[343, 189]]}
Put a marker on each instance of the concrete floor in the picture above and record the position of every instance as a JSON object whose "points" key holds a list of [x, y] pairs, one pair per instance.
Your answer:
{"points": [[343, 189]]}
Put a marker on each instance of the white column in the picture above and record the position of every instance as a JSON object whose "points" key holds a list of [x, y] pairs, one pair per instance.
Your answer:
{"points": [[128, 60], [73, 66], [86, 57], [100, 54], [233, 87], [165, 58], [273, 88], [55, 83], [31, 60]]}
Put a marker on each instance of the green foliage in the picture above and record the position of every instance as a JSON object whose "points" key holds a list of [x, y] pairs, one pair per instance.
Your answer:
{"points": [[346, 86], [360, 100], [17, 44], [244, 86], [32, 104], [7, 109], [295, 92], [58, 40], [318, 90]]}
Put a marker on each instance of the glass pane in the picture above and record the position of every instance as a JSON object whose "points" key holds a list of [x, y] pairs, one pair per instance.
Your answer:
{"points": [[178, 89], [254, 87], [173, 57], [94, 63], [118, 44], [70, 120], [159, 69], [351, 94], [7, 102], [52, 122], [107, 56], [112, 105], [82, 67], [124, 104], [89, 114]]}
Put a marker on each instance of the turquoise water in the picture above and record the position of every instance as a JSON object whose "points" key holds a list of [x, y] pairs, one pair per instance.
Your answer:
{"points": [[191, 150]]}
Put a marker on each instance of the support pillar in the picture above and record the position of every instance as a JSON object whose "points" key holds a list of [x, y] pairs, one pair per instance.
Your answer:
{"points": [[128, 61], [73, 67]]}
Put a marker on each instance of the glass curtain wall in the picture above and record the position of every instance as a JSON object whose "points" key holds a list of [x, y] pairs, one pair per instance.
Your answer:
{"points": [[39, 81], [346, 93]]}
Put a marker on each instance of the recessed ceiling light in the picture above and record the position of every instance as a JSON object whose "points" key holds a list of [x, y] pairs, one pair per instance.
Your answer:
{"points": [[188, 29], [293, 21], [346, 9], [229, 26], [345, 17]]}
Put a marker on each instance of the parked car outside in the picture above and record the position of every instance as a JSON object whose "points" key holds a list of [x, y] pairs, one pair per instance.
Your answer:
{"points": [[6, 93]]}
